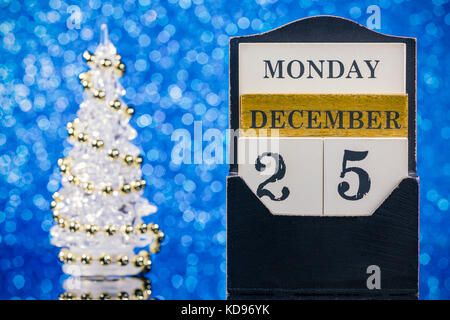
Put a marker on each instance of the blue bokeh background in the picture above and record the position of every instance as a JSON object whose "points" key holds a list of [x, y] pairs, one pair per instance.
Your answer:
{"points": [[176, 53]]}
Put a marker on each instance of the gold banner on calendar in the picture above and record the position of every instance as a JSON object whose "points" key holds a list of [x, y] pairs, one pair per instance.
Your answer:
{"points": [[324, 115]]}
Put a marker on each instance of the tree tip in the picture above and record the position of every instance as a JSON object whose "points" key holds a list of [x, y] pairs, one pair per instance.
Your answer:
{"points": [[104, 37]]}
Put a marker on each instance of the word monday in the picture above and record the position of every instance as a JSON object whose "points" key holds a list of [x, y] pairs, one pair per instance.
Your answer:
{"points": [[331, 69]]}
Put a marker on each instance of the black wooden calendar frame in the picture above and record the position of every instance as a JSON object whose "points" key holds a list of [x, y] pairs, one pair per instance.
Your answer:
{"points": [[322, 257]]}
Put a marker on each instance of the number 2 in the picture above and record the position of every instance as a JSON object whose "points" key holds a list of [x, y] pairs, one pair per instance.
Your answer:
{"points": [[278, 175], [364, 180]]}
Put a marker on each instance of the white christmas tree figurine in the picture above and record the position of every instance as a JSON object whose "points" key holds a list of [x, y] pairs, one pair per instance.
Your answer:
{"points": [[99, 209]]}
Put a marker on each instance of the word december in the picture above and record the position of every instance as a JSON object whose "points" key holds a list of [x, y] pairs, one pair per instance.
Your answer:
{"points": [[325, 119]]}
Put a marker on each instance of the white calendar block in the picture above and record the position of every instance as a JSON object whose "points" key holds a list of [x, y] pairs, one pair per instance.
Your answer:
{"points": [[360, 173], [286, 174]]}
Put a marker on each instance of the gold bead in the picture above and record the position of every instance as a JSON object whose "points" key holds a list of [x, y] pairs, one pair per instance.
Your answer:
{"points": [[57, 196], [62, 161], [139, 294], [160, 236], [62, 296], [125, 188], [105, 296], [107, 190], [88, 56], [56, 216], [64, 168], [154, 227], [82, 137], [110, 230], [86, 259], [67, 296], [129, 111], [121, 68], [71, 296], [74, 226], [139, 261], [138, 185], [117, 57], [70, 257], [62, 255], [86, 296], [53, 204], [154, 247], [138, 160], [127, 229], [62, 223], [147, 266], [91, 229], [123, 260], [71, 132], [144, 253], [115, 104], [86, 84], [73, 179], [105, 63], [83, 76], [122, 295], [128, 159], [99, 94], [113, 153], [105, 259], [98, 144], [147, 284], [88, 187], [141, 228]]}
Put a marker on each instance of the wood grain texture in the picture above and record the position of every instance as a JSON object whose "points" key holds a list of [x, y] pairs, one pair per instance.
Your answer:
{"points": [[324, 115]]}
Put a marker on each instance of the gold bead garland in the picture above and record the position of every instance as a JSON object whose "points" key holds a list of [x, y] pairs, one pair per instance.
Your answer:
{"points": [[122, 295], [86, 259], [141, 260], [99, 94], [89, 187], [142, 293], [99, 144], [116, 105], [109, 230], [104, 63]]}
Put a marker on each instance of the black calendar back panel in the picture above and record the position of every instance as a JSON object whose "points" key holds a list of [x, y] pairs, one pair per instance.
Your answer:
{"points": [[309, 257]]}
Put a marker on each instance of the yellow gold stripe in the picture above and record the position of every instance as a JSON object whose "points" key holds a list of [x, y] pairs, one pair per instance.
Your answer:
{"points": [[324, 115]]}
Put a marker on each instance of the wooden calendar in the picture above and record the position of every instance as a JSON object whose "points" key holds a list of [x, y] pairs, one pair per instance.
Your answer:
{"points": [[322, 196]]}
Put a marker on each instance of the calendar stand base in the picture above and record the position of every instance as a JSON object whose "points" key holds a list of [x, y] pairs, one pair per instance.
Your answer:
{"points": [[292, 257]]}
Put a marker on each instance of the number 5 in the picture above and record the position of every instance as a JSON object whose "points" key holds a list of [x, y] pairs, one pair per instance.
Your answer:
{"points": [[364, 180]]}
